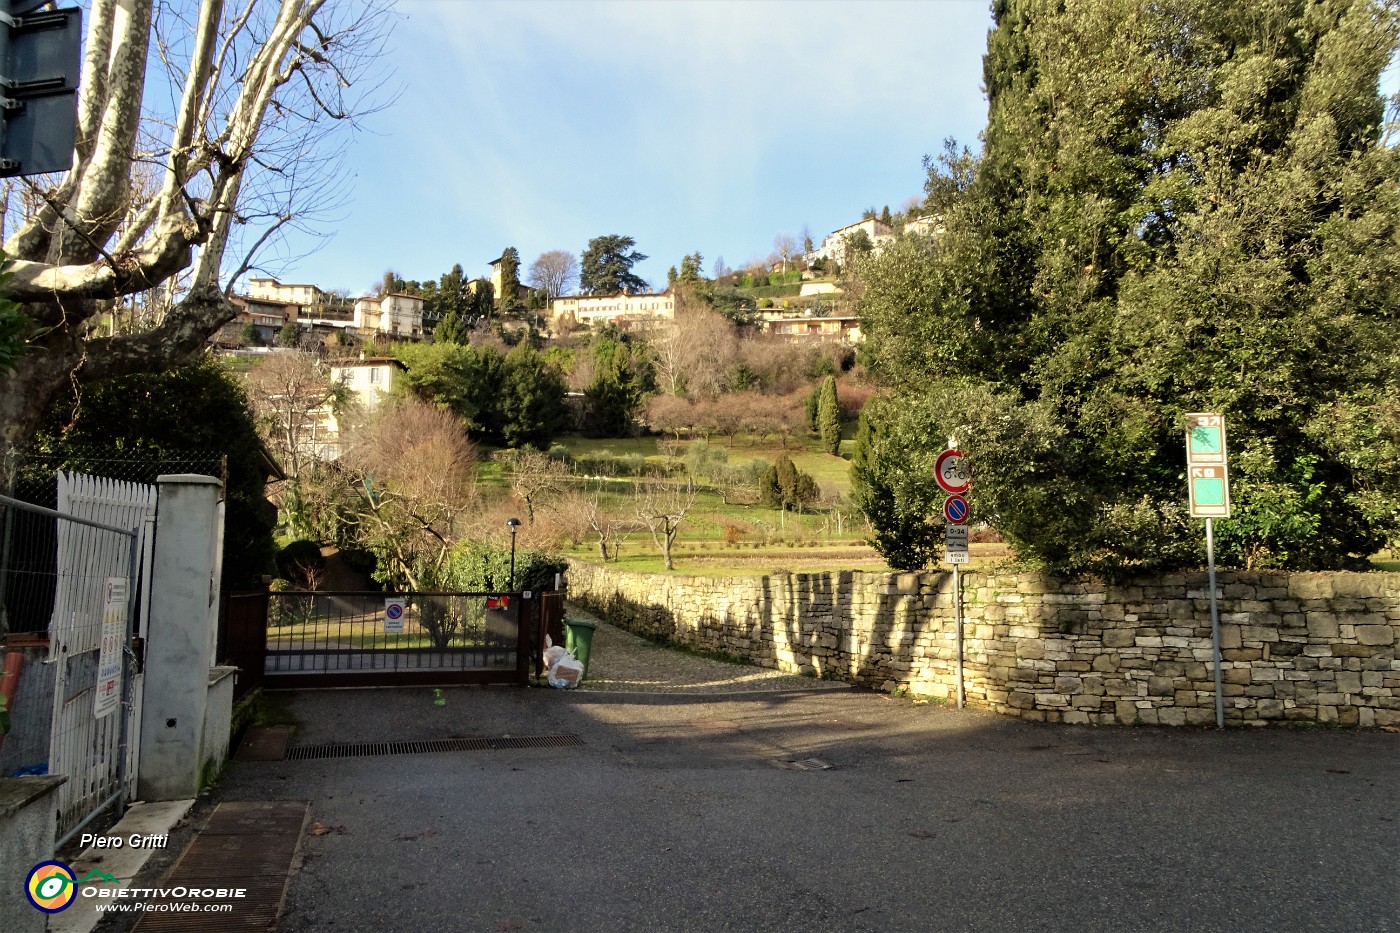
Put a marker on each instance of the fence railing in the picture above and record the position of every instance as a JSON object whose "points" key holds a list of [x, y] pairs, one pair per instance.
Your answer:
{"points": [[356, 638], [87, 563]]}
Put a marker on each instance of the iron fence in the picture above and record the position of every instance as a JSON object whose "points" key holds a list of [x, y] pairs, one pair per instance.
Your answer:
{"points": [[362, 639]]}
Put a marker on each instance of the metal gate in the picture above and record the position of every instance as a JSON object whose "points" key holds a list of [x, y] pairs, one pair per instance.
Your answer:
{"points": [[94, 585], [356, 639]]}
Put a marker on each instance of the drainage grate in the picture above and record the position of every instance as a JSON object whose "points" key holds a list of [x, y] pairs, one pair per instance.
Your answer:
{"points": [[245, 844], [373, 749]]}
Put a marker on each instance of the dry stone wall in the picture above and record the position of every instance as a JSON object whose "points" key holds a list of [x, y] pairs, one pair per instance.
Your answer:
{"points": [[1310, 647]]}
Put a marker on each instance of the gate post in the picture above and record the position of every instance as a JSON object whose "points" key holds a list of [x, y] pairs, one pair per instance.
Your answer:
{"points": [[180, 634]]}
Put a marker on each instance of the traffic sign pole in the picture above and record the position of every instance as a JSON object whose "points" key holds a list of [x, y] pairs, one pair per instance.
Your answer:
{"points": [[1208, 492], [1214, 624], [957, 603]]}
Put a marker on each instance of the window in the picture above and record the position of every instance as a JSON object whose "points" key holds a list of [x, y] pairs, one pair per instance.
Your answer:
{"points": [[376, 375]]}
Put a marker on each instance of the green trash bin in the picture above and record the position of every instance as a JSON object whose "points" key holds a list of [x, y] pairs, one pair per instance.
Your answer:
{"points": [[578, 639]]}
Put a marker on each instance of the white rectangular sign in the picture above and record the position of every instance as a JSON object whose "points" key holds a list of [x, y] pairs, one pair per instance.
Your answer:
{"points": [[109, 656], [394, 611], [955, 544]]}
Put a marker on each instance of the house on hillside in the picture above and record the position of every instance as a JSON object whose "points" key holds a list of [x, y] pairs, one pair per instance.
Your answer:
{"points": [[265, 316], [623, 310], [394, 316], [833, 248], [924, 226], [521, 291], [269, 289], [836, 328], [369, 380]]}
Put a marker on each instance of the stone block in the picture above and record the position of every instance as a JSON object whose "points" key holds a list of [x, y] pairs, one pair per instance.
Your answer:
{"points": [[1160, 686], [1126, 712], [1242, 654], [1310, 586], [1172, 717], [1375, 635], [1269, 709], [1200, 717], [1105, 664], [1118, 637], [1258, 633], [1323, 625]]}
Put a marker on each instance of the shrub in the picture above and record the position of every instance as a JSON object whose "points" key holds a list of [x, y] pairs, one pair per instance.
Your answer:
{"points": [[477, 566], [301, 562]]}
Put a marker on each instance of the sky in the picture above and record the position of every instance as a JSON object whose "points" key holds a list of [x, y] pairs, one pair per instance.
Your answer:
{"points": [[710, 126]]}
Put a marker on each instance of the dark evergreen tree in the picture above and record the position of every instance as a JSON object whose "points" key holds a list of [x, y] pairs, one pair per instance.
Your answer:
{"points": [[1179, 207], [784, 486], [142, 425], [829, 416], [606, 267], [531, 399], [508, 301]]}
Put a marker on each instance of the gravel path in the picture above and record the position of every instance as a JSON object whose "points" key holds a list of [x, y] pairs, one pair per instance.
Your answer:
{"points": [[621, 662]]}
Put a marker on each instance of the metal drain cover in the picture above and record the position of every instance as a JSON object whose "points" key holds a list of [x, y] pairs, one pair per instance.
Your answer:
{"points": [[375, 749]]}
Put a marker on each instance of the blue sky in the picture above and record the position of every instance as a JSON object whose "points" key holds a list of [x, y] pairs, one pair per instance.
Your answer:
{"points": [[709, 126]]}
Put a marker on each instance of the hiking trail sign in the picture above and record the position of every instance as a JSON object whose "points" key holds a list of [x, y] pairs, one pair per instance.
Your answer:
{"points": [[1207, 469]]}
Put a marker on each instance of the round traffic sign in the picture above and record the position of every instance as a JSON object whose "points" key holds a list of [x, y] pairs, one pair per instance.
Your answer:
{"points": [[951, 471], [956, 510], [393, 611]]}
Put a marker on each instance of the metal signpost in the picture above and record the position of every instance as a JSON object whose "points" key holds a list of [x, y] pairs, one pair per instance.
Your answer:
{"points": [[1208, 486], [953, 475]]}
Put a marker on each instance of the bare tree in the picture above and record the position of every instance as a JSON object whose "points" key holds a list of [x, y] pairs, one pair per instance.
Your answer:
{"points": [[608, 528], [248, 89], [415, 472], [290, 394], [533, 474], [662, 508], [555, 273], [696, 352], [786, 247]]}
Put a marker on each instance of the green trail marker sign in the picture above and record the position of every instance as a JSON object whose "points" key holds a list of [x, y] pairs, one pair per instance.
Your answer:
{"points": [[1207, 472], [1208, 485]]}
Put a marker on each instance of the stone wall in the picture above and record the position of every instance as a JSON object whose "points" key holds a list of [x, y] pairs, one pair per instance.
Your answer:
{"points": [[1312, 647]]}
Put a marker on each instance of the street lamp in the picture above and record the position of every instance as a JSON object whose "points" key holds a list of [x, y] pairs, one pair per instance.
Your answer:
{"points": [[514, 525]]}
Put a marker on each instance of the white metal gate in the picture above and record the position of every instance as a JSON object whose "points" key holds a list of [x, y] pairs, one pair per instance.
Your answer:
{"points": [[105, 534]]}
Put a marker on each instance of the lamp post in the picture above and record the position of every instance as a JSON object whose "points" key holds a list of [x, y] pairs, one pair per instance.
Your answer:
{"points": [[513, 524]]}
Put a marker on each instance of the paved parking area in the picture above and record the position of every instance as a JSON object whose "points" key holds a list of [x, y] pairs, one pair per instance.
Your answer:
{"points": [[825, 810], [625, 663]]}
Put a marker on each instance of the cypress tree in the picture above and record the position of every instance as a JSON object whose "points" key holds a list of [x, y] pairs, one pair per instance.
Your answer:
{"points": [[829, 417]]}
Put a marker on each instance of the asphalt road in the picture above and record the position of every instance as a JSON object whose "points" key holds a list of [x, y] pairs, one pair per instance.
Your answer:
{"points": [[680, 813]]}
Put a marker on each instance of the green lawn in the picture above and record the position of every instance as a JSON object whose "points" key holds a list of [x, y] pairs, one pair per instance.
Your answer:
{"points": [[827, 470], [726, 539]]}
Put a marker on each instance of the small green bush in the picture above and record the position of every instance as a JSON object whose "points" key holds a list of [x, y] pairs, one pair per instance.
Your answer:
{"points": [[300, 559]]}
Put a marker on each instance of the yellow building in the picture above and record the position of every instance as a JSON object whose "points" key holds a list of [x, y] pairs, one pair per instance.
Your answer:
{"points": [[624, 310]]}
